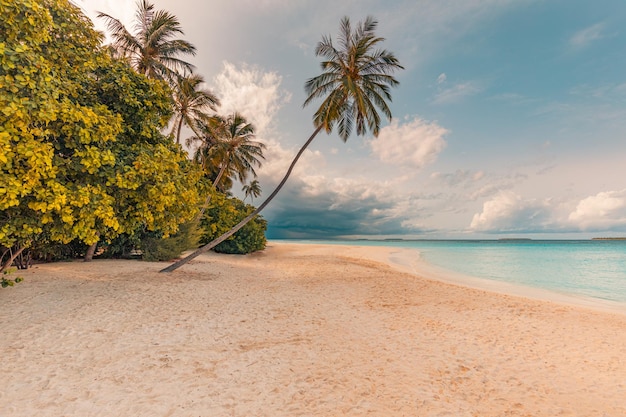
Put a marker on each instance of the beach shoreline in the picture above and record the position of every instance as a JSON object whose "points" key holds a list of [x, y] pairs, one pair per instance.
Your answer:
{"points": [[408, 260], [298, 329]]}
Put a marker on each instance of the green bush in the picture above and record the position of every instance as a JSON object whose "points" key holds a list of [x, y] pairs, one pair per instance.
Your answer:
{"points": [[6, 282], [225, 212], [124, 246]]}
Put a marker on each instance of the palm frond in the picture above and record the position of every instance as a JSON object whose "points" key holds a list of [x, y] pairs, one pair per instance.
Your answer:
{"points": [[152, 48]]}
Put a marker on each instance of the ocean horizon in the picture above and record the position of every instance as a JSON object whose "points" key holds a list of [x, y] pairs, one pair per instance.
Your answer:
{"points": [[589, 268]]}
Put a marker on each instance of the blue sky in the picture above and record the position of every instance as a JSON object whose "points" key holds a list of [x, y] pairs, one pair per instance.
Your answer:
{"points": [[510, 118]]}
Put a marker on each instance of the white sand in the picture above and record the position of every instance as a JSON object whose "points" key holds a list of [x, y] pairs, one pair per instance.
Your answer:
{"points": [[299, 330]]}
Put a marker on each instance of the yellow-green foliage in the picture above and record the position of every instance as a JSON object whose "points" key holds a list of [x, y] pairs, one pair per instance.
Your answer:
{"points": [[225, 212], [81, 153]]}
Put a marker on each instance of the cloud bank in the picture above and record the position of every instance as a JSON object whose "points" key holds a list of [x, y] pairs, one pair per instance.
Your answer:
{"points": [[412, 144], [509, 212], [324, 207], [603, 211], [252, 92]]}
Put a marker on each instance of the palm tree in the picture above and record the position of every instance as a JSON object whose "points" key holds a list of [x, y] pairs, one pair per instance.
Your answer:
{"points": [[229, 145], [207, 132], [237, 152], [151, 49], [354, 84], [191, 103], [252, 190]]}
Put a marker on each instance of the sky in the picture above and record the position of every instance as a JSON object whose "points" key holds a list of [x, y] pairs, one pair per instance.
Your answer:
{"points": [[509, 120]]}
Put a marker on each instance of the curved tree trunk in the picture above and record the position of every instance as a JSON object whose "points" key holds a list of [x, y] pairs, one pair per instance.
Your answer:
{"points": [[208, 199], [180, 127], [5, 265], [242, 223], [221, 173], [90, 252]]}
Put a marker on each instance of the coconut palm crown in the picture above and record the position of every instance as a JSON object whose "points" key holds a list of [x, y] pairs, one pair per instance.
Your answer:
{"points": [[356, 80], [252, 190], [152, 49], [191, 103], [235, 151]]}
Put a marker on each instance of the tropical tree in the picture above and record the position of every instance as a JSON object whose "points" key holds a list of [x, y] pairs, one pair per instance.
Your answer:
{"points": [[252, 190], [206, 132], [236, 152], [355, 84], [229, 145], [223, 213], [49, 130], [151, 48], [191, 103], [82, 156]]}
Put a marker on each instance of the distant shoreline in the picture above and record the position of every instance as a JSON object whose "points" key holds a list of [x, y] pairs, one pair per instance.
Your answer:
{"points": [[383, 240]]}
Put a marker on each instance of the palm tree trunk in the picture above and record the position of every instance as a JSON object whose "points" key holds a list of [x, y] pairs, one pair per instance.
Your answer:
{"points": [[208, 199], [180, 126], [242, 223], [221, 173]]}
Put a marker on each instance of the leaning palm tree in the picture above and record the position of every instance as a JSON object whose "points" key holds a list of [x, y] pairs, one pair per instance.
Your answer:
{"points": [[191, 103], [354, 85], [152, 49], [252, 190]]}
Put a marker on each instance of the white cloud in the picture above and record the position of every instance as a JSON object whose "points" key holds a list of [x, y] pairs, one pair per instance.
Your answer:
{"points": [[588, 35], [278, 159], [602, 211], [258, 96], [442, 78], [123, 10], [252, 92], [458, 177], [457, 92], [508, 212], [412, 144]]}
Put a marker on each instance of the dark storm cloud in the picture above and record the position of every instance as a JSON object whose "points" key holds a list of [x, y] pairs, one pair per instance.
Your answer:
{"points": [[298, 214]]}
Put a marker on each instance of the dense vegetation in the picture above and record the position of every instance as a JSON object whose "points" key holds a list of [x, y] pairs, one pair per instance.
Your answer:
{"points": [[84, 159]]}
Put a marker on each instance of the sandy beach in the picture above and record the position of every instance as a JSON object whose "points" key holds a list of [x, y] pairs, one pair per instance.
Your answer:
{"points": [[297, 330]]}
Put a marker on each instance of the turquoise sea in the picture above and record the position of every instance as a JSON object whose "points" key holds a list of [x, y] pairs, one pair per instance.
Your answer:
{"points": [[588, 268]]}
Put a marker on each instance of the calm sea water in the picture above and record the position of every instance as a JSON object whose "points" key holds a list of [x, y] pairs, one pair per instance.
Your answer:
{"points": [[591, 268]]}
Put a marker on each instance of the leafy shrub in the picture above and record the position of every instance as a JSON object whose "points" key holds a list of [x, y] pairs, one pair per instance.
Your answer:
{"points": [[225, 212], [6, 282]]}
